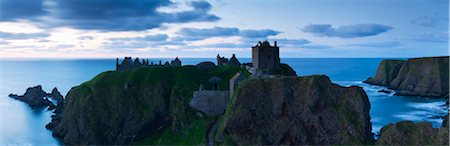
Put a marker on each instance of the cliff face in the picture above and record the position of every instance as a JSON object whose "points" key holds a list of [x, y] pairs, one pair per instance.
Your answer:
{"points": [[296, 110], [121, 107], [409, 133], [415, 77], [386, 72]]}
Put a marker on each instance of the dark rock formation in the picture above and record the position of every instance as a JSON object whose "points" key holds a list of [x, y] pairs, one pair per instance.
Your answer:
{"points": [[385, 91], [210, 102], [206, 66], [34, 97], [415, 77], [386, 72], [409, 133], [56, 95], [296, 111], [286, 70]]}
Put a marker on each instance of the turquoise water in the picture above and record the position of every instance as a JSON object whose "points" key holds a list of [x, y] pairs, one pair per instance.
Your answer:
{"points": [[20, 125]]}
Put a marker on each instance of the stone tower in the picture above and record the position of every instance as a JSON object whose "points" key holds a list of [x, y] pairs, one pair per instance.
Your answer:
{"points": [[266, 57]]}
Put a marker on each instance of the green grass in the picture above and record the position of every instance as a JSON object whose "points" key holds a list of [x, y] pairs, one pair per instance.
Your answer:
{"points": [[174, 85], [194, 134]]}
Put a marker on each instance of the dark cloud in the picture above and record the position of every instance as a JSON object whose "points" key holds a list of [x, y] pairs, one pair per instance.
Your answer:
{"points": [[13, 10], [388, 44], [22, 36], [122, 15], [105, 15], [346, 31]]}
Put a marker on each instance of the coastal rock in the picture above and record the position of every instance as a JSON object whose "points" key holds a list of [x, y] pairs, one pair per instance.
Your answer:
{"points": [[56, 95], [296, 111], [427, 76], [423, 77], [122, 107], [386, 72], [409, 133], [34, 97], [286, 70], [385, 91], [206, 66], [210, 102]]}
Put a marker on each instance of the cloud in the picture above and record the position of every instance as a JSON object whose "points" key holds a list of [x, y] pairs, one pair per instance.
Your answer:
{"points": [[105, 15], [86, 38], [194, 34], [4, 42], [291, 42], [121, 15], [263, 33], [439, 37], [13, 10], [22, 36], [429, 21], [147, 41], [199, 34], [147, 38], [388, 44], [346, 31]]}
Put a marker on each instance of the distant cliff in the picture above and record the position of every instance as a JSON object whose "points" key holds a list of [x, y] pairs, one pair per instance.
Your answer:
{"points": [[409, 133], [121, 107], [415, 77], [298, 111]]}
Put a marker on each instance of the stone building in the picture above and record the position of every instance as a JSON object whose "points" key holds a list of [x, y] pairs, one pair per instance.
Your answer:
{"points": [[234, 61], [176, 62], [222, 61], [128, 63], [234, 81], [266, 57]]}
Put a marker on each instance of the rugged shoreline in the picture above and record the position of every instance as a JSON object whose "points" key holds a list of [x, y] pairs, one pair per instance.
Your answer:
{"points": [[427, 77]]}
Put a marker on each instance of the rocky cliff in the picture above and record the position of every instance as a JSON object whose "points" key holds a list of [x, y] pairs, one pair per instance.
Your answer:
{"points": [[415, 77], [296, 110], [386, 72], [121, 107], [409, 133]]}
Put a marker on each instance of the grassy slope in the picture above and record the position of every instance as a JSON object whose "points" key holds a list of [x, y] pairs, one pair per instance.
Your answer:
{"points": [[187, 127]]}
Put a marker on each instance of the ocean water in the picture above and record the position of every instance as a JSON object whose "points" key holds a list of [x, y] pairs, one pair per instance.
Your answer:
{"points": [[21, 125]]}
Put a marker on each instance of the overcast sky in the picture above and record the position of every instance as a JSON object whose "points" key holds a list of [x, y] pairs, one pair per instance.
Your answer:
{"points": [[197, 29]]}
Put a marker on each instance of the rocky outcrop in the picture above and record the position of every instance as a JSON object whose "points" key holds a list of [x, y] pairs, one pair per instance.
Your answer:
{"points": [[427, 77], [36, 97], [409, 133], [297, 111], [121, 107], [206, 66], [386, 72], [210, 102]]}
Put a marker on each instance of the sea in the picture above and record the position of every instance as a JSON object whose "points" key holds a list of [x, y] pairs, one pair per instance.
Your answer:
{"points": [[21, 125]]}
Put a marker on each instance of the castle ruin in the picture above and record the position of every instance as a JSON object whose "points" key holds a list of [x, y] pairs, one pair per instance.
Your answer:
{"points": [[222, 61], [266, 57], [128, 63]]}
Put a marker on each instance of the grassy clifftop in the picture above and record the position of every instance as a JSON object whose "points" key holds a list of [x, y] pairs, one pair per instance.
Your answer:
{"points": [[119, 107]]}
